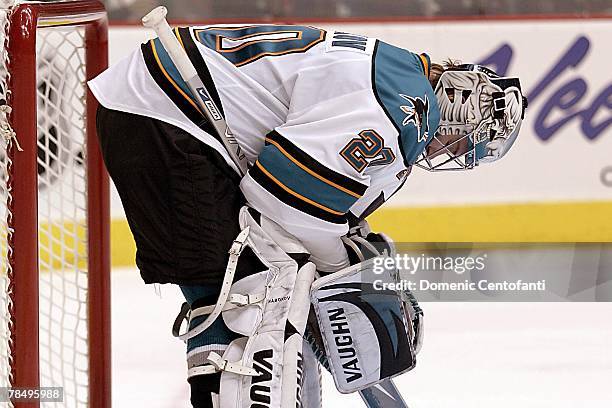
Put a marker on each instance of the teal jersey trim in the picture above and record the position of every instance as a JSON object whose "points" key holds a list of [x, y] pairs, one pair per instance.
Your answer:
{"points": [[405, 94], [303, 183], [170, 68]]}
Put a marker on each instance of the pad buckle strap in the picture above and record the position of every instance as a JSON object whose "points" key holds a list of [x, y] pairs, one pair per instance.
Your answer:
{"points": [[239, 243], [184, 315], [201, 370], [235, 300], [245, 300], [223, 365], [228, 279]]}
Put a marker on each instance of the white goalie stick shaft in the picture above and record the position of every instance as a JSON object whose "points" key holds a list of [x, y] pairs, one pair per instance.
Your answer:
{"points": [[156, 20], [383, 395]]}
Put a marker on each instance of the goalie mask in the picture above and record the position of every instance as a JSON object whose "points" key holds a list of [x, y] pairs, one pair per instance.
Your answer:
{"points": [[480, 118]]}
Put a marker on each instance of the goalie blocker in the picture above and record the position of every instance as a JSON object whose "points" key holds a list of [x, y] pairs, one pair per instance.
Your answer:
{"points": [[367, 333]]}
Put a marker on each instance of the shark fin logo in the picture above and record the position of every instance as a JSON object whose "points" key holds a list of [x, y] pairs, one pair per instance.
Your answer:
{"points": [[417, 113]]}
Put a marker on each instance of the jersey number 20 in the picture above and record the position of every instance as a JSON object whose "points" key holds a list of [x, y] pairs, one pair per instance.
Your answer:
{"points": [[367, 150], [245, 44]]}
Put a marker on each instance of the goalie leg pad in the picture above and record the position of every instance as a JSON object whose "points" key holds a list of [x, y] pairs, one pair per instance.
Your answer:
{"points": [[365, 330], [269, 308], [311, 378]]}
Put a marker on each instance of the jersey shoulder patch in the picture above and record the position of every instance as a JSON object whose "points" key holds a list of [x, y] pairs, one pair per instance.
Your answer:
{"points": [[401, 87]]}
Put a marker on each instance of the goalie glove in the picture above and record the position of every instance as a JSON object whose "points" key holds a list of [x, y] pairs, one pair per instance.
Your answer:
{"points": [[362, 244], [364, 328]]}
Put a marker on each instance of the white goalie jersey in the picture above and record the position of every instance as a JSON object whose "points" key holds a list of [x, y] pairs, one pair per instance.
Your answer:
{"points": [[331, 122]]}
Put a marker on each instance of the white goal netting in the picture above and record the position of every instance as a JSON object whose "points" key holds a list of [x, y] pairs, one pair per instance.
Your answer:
{"points": [[62, 212], [6, 271], [5, 266]]}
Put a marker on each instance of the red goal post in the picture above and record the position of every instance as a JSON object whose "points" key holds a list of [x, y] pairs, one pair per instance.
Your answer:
{"points": [[55, 193]]}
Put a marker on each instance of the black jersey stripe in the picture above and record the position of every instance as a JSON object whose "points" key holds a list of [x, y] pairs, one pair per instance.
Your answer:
{"points": [[200, 65], [160, 79], [194, 115], [357, 189], [291, 200]]}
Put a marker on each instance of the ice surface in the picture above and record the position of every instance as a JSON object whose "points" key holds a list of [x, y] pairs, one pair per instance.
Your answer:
{"points": [[475, 354]]}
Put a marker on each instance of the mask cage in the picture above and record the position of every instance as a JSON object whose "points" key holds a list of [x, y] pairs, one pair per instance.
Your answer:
{"points": [[473, 145]]}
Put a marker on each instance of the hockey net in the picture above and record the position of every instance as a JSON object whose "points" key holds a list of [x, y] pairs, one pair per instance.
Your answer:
{"points": [[53, 204]]}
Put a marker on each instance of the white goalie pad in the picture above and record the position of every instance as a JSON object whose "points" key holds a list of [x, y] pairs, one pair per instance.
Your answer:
{"points": [[311, 379], [269, 308], [366, 331]]}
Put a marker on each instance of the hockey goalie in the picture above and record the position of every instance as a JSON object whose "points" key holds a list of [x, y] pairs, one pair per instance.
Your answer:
{"points": [[271, 262]]}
